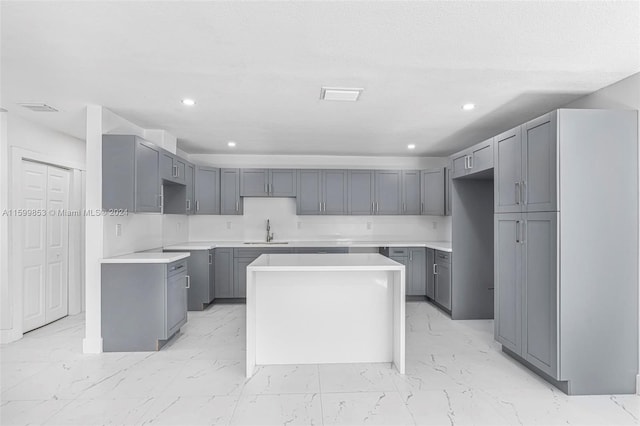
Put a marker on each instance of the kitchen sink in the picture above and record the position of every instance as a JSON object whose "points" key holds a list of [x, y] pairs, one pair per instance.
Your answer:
{"points": [[264, 242]]}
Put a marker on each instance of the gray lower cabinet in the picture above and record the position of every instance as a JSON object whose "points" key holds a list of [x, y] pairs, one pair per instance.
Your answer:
{"points": [[414, 260], [411, 194], [130, 174], [442, 279], [223, 273], [207, 190], [433, 199], [201, 284], [143, 304], [388, 192], [430, 271], [240, 275], [230, 200], [320, 250]]}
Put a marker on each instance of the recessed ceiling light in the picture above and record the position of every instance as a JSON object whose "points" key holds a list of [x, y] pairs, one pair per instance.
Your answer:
{"points": [[468, 107], [411, 146], [340, 94], [231, 144], [188, 102]]}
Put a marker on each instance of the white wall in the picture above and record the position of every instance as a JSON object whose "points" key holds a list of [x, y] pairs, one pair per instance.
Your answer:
{"points": [[21, 138], [625, 94]]}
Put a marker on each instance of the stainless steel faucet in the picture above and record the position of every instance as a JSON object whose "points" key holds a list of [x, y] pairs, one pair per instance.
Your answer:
{"points": [[269, 235]]}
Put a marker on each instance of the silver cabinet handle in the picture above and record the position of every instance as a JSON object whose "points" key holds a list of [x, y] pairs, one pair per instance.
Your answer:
{"points": [[466, 160], [197, 205], [159, 200], [435, 269], [266, 188], [470, 162], [373, 206], [518, 193], [270, 188], [410, 256], [523, 189], [404, 207], [523, 232], [319, 205], [377, 207], [188, 204], [237, 205], [517, 231], [421, 207], [210, 258], [188, 284]]}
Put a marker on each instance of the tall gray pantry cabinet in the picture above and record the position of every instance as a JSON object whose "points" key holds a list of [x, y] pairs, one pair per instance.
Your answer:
{"points": [[566, 248]]}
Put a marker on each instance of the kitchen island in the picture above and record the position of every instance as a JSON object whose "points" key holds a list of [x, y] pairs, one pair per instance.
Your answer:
{"points": [[325, 308]]}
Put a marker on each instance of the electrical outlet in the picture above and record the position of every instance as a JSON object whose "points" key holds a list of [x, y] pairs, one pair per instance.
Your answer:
{"points": [[368, 225], [178, 226], [118, 229], [434, 225], [228, 225], [299, 225]]}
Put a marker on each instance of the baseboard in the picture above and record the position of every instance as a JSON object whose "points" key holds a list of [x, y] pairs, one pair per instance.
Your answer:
{"points": [[8, 336], [92, 346]]}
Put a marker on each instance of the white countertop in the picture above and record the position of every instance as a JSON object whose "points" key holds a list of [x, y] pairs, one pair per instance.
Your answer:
{"points": [[206, 245], [146, 258], [324, 262]]}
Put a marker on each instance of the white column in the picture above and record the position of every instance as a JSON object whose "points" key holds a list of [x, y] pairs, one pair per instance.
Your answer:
{"points": [[92, 342]]}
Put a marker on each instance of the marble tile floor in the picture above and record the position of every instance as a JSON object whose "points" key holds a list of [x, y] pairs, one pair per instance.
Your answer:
{"points": [[456, 375]]}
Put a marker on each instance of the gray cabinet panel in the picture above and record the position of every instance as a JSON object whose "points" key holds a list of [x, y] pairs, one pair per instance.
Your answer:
{"points": [[230, 201], [388, 185], [174, 198], [176, 303], [540, 316], [181, 169], [508, 281], [190, 183], [320, 250], [411, 195], [448, 191], [361, 193], [443, 283], [118, 172], [430, 270], [433, 192], [207, 190], [200, 266], [212, 275], [334, 192], [417, 273], [481, 157], [166, 166], [223, 259], [240, 276], [282, 183], [459, 164], [253, 182], [309, 195], [508, 171], [539, 162], [147, 187]]}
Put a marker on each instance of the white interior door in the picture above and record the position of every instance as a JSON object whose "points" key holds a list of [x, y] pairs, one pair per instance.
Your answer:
{"points": [[45, 244]]}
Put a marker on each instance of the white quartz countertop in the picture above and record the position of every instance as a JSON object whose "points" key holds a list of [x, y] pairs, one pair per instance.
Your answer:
{"points": [[324, 262], [206, 245], [146, 258]]}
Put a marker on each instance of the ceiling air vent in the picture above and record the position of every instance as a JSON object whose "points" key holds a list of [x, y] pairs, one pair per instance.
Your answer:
{"points": [[340, 94], [37, 106]]}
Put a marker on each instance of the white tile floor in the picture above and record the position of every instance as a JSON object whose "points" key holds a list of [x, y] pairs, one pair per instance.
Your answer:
{"points": [[456, 375]]}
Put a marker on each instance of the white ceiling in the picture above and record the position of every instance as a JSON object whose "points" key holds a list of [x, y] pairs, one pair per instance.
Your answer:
{"points": [[256, 69]]}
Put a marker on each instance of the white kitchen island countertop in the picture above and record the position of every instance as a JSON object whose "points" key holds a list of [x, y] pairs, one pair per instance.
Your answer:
{"points": [[326, 262], [146, 257]]}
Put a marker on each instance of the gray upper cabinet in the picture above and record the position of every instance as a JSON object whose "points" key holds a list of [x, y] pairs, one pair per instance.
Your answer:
{"points": [[309, 192], [267, 183], [207, 190], [230, 201], [254, 182], [539, 162], [508, 171], [322, 192], [172, 168], [361, 192], [388, 190], [433, 192], [130, 174], [190, 183], [477, 159], [411, 195]]}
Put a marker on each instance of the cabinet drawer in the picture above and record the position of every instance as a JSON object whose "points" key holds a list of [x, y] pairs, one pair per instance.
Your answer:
{"points": [[443, 257], [178, 267], [398, 251]]}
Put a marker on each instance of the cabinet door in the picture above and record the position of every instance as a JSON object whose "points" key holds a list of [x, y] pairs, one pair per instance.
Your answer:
{"points": [[230, 201], [180, 166], [176, 313], [167, 171], [539, 160], [190, 179], [388, 191], [223, 273], [212, 272], [433, 192], [360, 192], [459, 164], [240, 275], [309, 194], [147, 186], [207, 190], [540, 316], [508, 281], [508, 172], [253, 182], [481, 157], [443, 284], [430, 269], [418, 267], [411, 198], [334, 191], [447, 192], [282, 183]]}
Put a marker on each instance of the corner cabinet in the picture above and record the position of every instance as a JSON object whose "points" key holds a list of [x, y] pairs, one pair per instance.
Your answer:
{"points": [[130, 174], [230, 200]]}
